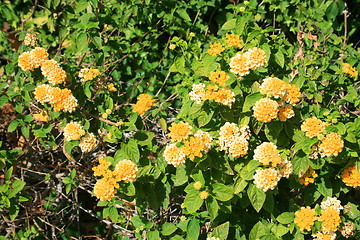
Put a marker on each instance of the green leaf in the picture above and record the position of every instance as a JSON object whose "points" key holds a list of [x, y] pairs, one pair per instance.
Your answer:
{"points": [[257, 197], [286, 218], [178, 65], [9, 174], [279, 58], [3, 100], [221, 231], [182, 13], [212, 206], [300, 164], [67, 188], [250, 101], [25, 130], [181, 177], [272, 131], [257, 231], [13, 125], [205, 117], [113, 214], [325, 187], [168, 229], [193, 201], [153, 235], [14, 210], [17, 186], [222, 192], [193, 230], [240, 185], [68, 147], [230, 24], [132, 151]]}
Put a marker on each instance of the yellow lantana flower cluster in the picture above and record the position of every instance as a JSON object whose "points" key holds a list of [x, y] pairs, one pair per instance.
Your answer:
{"points": [[200, 92], [351, 176], [28, 61], [241, 64], [88, 143], [73, 131], [346, 68], [53, 72], [313, 127], [308, 177], [105, 188], [60, 99], [219, 77], [234, 139], [215, 49], [144, 103], [331, 144], [30, 39], [286, 94], [88, 74], [267, 153], [266, 179], [188, 144], [305, 218]]}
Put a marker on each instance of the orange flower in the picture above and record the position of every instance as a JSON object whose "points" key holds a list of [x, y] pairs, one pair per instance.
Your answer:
{"points": [[88, 142], [351, 176], [267, 153], [266, 110], [305, 218], [111, 87], [266, 179], [215, 49], [144, 103], [174, 155], [26, 62], [126, 171], [292, 95], [102, 169], [273, 86], [104, 189], [204, 195], [308, 177], [233, 40], [240, 64], [179, 131], [331, 144], [42, 93], [88, 74], [346, 68], [257, 57], [194, 146], [313, 127], [39, 55], [73, 131], [30, 39], [330, 219], [53, 72], [219, 77], [285, 112]]}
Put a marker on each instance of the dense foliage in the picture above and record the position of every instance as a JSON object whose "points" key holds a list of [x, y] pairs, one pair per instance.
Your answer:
{"points": [[179, 119]]}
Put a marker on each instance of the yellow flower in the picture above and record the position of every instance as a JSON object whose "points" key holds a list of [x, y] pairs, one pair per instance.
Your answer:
{"points": [[242, 8], [330, 219], [313, 127], [26, 62], [292, 95], [266, 179], [88, 74], [198, 92], [266, 110], [102, 169], [285, 168], [324, 235], [204, 195], [144, 103], [346, 68], [53, 72], [194, 146], [179, 131], [285, 112], [351, 176], [240, 64], [215, 49], [233, 40], [43, 116], [111, 87], [62, 99], [126, 171], [331, 144], [305, 218], [30, 39], [257, 57], [219, 77], [105, 189], [88, 142], [197, 185], [42, 93], [73, 131], [273, 86], [39, 55], [267, 153], [174, 155], [234, 139], [308, 177]]}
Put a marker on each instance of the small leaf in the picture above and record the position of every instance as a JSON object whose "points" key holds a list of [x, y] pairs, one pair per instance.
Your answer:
{"points": [[13, 125], [286, 218], [221, 231], [182, 12], [168, 229], [222, 192], [193, 201], [279, 58], [212, 206], [230, 24], [193, 230], [3, 100]]}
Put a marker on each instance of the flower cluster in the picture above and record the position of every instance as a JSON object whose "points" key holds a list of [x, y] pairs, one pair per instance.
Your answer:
{"points": [[266, 179], [88, 143], [201, 92], [88, 74], [215, 49], [187, 144], [60, 99], [267, 153], [308, 177], [286, 96], [105, 188], [28, 61], [219, 77], [241, 64], [351, 176], [329, 218], [73, 131], [234, 139], [144, 103], [53, 72], [179, 131], [313, 127], [331, 144], [111, 87], [346, 68], [233, 40], [348, 229], [30, 39]]}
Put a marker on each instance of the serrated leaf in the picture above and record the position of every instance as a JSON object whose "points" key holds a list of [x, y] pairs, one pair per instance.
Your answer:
{"points": [[212, 206], [222, 192], [131, 151], [221, 231], [193, 230], [168, 229], [193, 201], [257, 197]]}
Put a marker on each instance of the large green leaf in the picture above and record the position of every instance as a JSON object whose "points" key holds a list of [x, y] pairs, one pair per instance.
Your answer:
{"points": [[257, 197]]}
